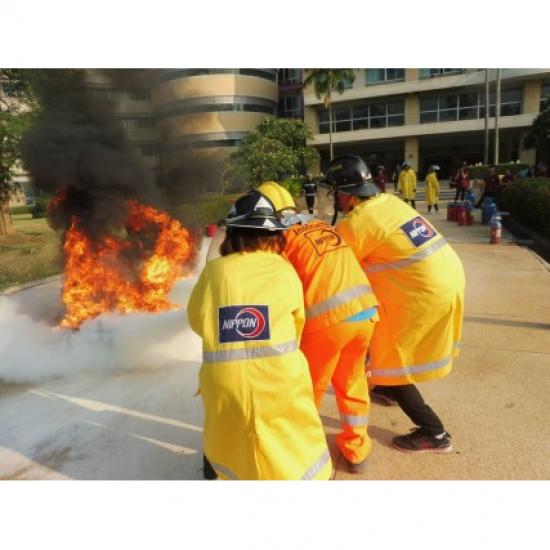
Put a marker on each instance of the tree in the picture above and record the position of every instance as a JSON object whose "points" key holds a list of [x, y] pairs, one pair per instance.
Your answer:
{"points": [[325, 82], [274, 151], [15, 97], [538, 136]]}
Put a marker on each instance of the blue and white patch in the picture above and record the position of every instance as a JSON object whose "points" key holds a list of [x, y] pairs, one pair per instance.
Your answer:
{"points": [[419, 231], [242, 323]]}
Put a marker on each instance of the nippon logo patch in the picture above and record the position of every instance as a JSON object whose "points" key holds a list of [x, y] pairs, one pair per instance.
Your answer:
{"points": [[241, 323], [419, 231]]}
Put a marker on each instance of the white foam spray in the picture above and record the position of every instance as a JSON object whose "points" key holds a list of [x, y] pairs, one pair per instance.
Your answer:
{"points": [[32, 351]]}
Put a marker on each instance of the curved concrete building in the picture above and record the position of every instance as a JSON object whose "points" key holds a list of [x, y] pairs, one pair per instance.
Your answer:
{"points": [[202, 114]]}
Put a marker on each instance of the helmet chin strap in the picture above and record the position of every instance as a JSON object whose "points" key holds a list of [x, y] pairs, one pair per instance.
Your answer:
{"points": [[336, 209]]}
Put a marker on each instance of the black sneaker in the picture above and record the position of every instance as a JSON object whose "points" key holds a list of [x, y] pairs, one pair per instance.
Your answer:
{"points": [[207, 471], [378, 395], [420, 442]]}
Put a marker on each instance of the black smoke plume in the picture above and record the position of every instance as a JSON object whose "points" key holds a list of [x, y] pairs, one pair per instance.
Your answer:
{"points": [[78, 148]]}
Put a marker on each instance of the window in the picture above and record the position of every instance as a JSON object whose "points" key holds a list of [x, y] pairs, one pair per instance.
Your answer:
{"points": [[467, 106], [288, 77], [384, 75], [544, 93], [290, 106], [429, 73], [360, 117]]}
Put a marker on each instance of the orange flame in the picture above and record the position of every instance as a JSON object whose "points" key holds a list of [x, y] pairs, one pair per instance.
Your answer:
{"points": [[120, 273]]}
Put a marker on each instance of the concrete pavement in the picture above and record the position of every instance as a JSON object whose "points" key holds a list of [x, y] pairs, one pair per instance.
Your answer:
{"points": [[495, 402]]}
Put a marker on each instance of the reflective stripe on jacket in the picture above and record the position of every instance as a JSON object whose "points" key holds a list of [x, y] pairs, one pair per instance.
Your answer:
{"points": [[335, 286], [419, 282], [260, 417]]}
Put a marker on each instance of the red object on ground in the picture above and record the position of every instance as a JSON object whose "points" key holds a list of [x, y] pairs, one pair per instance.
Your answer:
{"points": [[461, 214], [211, 230]]}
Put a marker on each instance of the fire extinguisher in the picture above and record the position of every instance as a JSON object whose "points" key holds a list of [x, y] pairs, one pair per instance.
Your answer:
{"points": [[495, 230], [461, 214]]}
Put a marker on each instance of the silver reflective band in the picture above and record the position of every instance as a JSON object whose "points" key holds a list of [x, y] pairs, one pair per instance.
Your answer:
{"points": [[248, 353], [354, 420], [337, 300], [313, 470], [224, 470], [375, 268], [413, 369]]}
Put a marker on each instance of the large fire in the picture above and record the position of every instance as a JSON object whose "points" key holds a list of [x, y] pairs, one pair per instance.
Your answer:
{"points": [[130, 272]]}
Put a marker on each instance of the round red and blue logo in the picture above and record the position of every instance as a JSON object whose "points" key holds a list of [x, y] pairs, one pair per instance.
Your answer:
{"points": [[422, 228], [250, 322]]}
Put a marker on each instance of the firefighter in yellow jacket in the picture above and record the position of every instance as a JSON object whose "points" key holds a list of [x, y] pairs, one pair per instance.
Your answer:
{"points": [[419, 281], [341, 314], [260, 417], [407, 184], [432, 188]]}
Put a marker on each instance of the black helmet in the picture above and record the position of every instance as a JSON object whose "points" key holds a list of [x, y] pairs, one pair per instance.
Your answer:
{"points": [[254, 211], [349, 174]]}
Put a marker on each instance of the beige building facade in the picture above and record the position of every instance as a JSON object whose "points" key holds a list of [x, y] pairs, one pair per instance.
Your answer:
{"points": [[427, 116]]}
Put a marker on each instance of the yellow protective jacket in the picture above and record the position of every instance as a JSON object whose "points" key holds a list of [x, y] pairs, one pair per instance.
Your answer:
{"points": [[432, 188], [260, 417], [419, 282], [335, 286], [407, 184]]}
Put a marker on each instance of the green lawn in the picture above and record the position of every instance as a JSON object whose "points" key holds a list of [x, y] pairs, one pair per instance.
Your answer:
{"points": [[31, 253]]}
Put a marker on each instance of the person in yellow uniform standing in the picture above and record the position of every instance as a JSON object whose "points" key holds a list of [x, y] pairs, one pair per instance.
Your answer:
{"points": [[341, 314], [260, 416], [419, 281], [432, 188], [406, 184]]}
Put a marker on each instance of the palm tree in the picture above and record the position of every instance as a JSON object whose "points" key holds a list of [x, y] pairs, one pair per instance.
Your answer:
{"points": [[325, 82]]}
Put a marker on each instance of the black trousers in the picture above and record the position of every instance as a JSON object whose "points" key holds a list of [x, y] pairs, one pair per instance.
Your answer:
{"points": [[411, 402], [460, 192], [413, 202], [310, 201]]}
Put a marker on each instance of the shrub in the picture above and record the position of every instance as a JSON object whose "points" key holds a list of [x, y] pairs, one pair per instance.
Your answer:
{"points": [[17, 210], [479, 172], [293, 185], [40, 209], [528, 200]]}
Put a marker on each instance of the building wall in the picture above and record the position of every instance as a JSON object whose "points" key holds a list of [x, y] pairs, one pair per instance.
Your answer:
{"points": [[420, 142]]}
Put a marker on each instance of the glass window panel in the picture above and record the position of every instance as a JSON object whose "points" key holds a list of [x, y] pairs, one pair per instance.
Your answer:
{"points": [[323, 116], [448, 101], [396, 107], [396, 120], [467, 113], [510, 96], [468, 100], [428, 103], [377, 122], [361, 112], [395, 74], [428, 116], [323, 128], [423, 73], [342, 113], [360, 124], [510, 109], [344, 126], [378, 109], [446, 115], [375, 75]]}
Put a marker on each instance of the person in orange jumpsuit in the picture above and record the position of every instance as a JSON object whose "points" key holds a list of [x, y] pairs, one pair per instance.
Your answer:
{"points": [[341, 312]]}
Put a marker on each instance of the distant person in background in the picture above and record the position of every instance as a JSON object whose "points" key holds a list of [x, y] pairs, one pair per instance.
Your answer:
{"points": [[462, 182], [432, 188], [380, 179], [407, 184], [541, 170], [310, 191], [491, 185], [508, 177], [395, 176]]}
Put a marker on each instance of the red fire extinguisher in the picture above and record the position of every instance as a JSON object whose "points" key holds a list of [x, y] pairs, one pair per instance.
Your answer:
{"points": [[461, 214], [211, 230], [495, 229]]}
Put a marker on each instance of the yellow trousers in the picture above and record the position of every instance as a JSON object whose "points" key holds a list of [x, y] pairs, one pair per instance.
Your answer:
{"points": [[337, 354]]}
